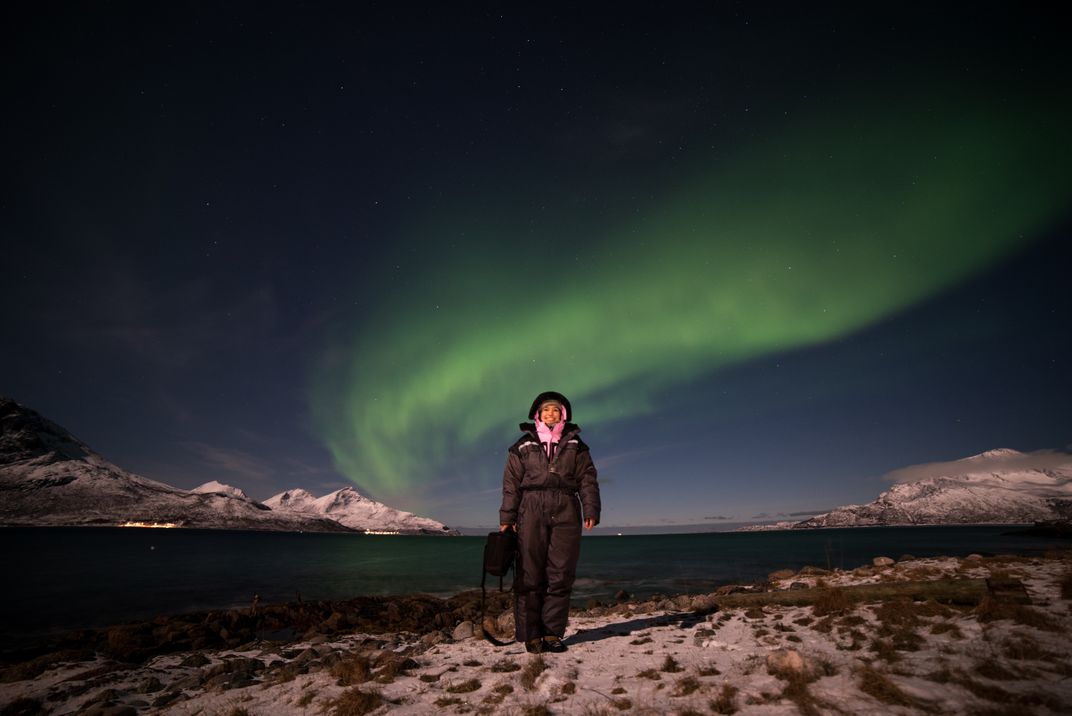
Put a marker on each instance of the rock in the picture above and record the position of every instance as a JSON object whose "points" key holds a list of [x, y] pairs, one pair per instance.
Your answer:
{"points": [[505, 622], [703, 604], [463, 631], [865, 571], [906, 558], [882, 562], [166, 698], [973, 557], [432, 638], [621, 595], [241, 665], [110, 710], [810, 571], [306, 656], [786, 663], [319, 639], [149, 686], [799, 585], [190, 683], [781, 574], [196, 659]]}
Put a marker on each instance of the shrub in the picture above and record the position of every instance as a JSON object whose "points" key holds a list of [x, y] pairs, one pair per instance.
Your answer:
{"points": [[670, 665], [831, 600], [352, 670], [878, 686], [464, 687], [355, 702], [532, 671], [726, 701]]}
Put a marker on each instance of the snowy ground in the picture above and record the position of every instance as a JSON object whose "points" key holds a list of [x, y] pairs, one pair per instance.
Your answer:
{"points": [[894, 657]]}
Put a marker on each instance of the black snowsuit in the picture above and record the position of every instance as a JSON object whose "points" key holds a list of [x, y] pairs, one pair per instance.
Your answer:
{"points": [[540, 497]]}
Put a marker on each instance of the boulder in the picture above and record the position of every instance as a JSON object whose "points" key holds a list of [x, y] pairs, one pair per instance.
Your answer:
{"points": [[882, 562], [781, 574], [463, 631], [790, 663]]}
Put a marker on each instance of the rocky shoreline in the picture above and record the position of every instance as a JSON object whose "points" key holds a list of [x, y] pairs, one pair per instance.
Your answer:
{"points": [[743, 648]]}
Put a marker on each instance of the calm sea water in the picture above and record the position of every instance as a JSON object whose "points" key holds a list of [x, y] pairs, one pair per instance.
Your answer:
{"points": [[62, 578]]}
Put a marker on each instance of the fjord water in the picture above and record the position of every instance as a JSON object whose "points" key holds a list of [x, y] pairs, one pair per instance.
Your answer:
{"points": [[63, 578]]}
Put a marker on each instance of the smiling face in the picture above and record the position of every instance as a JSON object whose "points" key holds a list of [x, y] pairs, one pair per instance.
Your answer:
{"points": [[550, 414]]}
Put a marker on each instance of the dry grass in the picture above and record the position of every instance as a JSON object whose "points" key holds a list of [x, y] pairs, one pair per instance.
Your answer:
{"points": [[444, 701], [1024, 648], [641, 640], [535, 710], [355, 702], [670, 665], [949, 628], [505, 666], [796, 690], [1016, 703], [464, 687], [352, 670], [726, 701], [991, 609], [883, 649], [306, 699], [649, 674], [686, 686], [236, 711], [709, 670], [532, 671], [878, 686], [831, 600], [994, 671]]}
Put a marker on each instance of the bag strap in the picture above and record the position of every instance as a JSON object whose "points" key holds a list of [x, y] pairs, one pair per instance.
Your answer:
{"points": [[483, 601]]}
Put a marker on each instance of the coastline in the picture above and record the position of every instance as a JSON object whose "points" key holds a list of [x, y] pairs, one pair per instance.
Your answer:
{"points": [[688, 653]]}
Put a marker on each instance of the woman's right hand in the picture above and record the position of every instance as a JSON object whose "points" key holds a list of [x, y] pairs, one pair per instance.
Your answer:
{"points": [[503, 528]]}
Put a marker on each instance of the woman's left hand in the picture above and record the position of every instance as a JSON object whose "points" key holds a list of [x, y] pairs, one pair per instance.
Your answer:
{"points": [[589, 523]]}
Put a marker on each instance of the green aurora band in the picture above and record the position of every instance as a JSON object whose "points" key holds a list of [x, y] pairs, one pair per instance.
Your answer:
{"points": [[803, 237]]}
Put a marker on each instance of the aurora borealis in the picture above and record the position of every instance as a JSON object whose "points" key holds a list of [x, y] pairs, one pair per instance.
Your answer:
{"points": [[810, 237], [769, 255]]}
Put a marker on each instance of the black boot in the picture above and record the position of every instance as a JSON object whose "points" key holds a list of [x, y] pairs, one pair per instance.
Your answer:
{"points": [[534, 646], [553, 644]]}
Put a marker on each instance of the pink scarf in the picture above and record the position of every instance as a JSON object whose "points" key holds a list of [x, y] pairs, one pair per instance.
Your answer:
{"points": [[550, 436]]}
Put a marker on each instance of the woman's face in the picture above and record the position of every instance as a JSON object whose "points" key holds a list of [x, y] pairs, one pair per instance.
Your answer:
{"points": [[550, 414]]}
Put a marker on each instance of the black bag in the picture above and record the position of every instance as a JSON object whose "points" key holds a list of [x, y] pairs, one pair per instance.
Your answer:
{"points": [[500, 553]]}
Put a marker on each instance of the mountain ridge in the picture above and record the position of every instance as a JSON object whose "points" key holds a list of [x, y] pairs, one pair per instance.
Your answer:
{"points": [[49, 477]]}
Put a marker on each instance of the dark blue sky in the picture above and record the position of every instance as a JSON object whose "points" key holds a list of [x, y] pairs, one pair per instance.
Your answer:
{"points": [[228, 231]]}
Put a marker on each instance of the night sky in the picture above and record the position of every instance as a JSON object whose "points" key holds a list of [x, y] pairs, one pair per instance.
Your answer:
{"points": [[770, 253]]}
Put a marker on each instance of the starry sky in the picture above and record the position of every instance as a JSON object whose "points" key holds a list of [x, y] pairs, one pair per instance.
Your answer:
{"points": [[771, 253]]}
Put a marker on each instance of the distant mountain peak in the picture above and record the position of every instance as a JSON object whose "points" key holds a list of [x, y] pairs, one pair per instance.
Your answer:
{"points": [[998, 453], [217, 487], [25, 435], [357, 511], [993, 493]]}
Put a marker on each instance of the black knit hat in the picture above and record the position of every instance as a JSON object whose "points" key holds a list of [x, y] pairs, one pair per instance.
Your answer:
{"points": [[551, 395]]}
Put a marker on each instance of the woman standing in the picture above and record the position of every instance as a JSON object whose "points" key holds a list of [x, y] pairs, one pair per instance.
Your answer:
{"points": [[546, 470]]}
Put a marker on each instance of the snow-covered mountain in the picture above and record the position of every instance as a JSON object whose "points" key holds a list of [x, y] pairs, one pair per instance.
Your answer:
{"points": [[48, 477], [216, 486], [997, 486], [351, 508]]}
